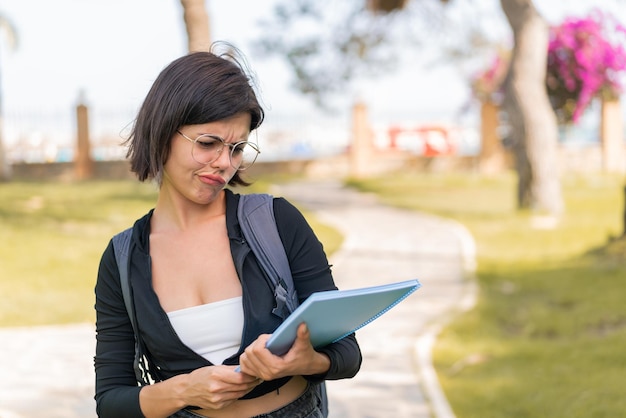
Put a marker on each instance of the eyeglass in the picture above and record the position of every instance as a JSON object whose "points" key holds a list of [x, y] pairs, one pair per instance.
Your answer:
{"points": [[207, 148]]}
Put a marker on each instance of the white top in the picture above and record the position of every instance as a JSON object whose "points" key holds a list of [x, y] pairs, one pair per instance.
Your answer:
{"points": [[212, 330]]}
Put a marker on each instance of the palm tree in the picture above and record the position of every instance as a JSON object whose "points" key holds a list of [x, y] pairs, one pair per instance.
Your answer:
{"points": [[534, 131], [532, 119], [8, 29], [197, 25]]}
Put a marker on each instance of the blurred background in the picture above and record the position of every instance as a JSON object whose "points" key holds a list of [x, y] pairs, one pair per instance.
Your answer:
{"points": [[105, 55], [504, 116]]}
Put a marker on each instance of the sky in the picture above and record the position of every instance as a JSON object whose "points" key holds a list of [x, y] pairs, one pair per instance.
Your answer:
{"points": [[109, 52]]}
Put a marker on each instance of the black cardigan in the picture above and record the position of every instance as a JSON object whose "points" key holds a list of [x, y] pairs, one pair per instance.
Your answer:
{"points": [[117, 393]]}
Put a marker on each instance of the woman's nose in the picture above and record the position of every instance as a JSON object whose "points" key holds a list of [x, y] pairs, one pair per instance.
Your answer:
{"points": [[223, 158]]}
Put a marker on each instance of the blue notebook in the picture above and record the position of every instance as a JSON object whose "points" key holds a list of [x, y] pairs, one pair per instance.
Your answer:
{"points": [[335, 314]]}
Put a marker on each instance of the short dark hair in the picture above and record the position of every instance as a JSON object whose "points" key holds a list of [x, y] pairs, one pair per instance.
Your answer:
{"points": [[197, 88]]}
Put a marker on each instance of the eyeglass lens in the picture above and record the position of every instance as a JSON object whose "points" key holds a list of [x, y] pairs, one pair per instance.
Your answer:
{"points": [[207, 148]]}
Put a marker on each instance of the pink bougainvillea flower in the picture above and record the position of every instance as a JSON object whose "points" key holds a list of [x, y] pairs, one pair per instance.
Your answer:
{"points": [[585, 59]]}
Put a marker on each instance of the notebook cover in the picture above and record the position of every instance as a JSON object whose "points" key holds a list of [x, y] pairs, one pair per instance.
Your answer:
{"points": [[334, 314]]}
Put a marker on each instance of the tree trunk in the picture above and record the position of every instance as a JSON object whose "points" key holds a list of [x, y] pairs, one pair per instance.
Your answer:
{"points": [[534, 132], [11, 37], [197, 25], [83, 163], [612, 136], [360, 154], [5, 166], [492, 159]]}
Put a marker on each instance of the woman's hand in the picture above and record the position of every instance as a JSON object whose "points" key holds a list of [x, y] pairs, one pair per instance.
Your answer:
{"points": [[300, 360], [211, 387], [215, 387]]}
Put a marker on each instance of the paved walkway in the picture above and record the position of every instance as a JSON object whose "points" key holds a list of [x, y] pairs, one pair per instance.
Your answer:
{"points": [[383, 245], [50, 368]]}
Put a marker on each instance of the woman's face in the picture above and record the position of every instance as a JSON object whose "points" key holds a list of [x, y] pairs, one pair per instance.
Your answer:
{"points": [[199, 181]]}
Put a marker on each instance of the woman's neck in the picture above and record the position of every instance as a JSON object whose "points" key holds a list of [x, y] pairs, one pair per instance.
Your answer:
{"points": [[178, 213]]}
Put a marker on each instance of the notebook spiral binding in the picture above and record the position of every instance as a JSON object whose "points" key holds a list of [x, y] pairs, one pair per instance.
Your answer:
{"points": [[379, 313]]}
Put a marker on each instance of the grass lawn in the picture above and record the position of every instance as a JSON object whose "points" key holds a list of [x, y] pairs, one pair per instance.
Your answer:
{"points": [[547, 336], [53, 235]]}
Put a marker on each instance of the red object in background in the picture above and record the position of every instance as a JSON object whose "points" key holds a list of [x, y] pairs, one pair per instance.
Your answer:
{"points": [[435, 139]]}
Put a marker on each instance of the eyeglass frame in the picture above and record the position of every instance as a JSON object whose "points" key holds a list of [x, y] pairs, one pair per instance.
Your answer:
{"points": [[224, 144]]}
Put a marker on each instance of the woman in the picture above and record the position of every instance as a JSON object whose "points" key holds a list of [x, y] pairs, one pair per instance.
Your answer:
{"points": [[202, 303]]}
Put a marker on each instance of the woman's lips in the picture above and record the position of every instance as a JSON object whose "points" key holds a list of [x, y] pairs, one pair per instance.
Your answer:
{"points": [[212, 179]]}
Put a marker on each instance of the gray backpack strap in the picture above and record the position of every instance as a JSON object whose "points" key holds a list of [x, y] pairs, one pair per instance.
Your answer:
{"points": [[258, 226], [121, 247], [121, 244]]}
